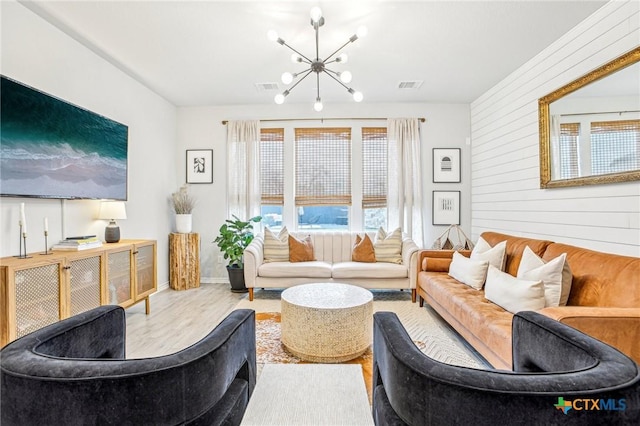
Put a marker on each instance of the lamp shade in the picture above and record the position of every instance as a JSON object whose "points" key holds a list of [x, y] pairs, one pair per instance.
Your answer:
{"points": [[110, 210]]}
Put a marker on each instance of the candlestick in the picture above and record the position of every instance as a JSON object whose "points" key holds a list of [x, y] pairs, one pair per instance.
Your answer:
{"points": [[46, 243], [24, 243], [46, 225]]}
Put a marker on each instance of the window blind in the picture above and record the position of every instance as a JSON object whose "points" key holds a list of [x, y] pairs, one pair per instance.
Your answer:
{"points": [[615, 146], [272, 166], [569, 134], [374, 167], [323, 166]]}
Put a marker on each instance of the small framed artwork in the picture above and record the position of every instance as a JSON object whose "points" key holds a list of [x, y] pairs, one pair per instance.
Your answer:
{"points": [[446, 165], [446, 208], [199, 166]]}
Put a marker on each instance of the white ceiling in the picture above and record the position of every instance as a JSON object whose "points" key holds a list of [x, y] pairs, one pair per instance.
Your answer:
{"points": [[214, 52]]}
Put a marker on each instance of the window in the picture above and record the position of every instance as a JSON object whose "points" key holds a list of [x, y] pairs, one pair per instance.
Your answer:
{"points": [[615, 146], [569, 137], [272, 176], [323, 177], [308, 177], [374, 177]]}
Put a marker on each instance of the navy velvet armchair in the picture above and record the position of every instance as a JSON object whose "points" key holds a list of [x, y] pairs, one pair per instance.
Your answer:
{"points": [[74, 372], [560, 376]]}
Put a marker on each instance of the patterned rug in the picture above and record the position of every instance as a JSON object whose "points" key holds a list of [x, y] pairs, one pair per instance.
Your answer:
{"points": [[431, 334]]}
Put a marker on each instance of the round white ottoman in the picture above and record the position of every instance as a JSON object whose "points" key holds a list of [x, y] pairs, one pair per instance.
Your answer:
{"points": [[327, 322]]}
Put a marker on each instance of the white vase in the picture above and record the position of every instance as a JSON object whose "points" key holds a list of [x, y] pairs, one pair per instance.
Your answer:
{"points": [[183, 223]]}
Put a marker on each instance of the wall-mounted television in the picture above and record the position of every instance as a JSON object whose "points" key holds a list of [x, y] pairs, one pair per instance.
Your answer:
{"points": [[52, 149]]}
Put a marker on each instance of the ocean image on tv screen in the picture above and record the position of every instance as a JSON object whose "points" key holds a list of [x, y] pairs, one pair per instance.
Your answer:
{"points": [[50, 148]]}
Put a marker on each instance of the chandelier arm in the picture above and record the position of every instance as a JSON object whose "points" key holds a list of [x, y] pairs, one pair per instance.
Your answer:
{"points": [[298, 82], [336, 79], [284, 43], [318, 85], [351, 40], [317, 29]]}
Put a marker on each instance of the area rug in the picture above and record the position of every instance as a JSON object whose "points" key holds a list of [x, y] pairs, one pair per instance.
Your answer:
{"points": [[431, 334], [269, 348]]}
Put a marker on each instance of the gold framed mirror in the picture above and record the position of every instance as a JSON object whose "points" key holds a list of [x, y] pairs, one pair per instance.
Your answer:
{"points": [[590, 128]]}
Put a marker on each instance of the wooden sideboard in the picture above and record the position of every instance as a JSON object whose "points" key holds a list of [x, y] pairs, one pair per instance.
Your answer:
{"points": [[42, 289]]}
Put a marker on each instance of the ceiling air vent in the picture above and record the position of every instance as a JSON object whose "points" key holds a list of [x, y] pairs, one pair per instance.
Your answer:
{"points": [[413, 84], [267, 87]]}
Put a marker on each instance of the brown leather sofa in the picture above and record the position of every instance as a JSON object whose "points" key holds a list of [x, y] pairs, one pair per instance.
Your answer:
{"points": [[604, 301]]}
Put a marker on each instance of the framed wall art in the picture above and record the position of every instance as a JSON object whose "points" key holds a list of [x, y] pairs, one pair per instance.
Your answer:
{"points": [[199, 166], [446, 208], [446, 165]]}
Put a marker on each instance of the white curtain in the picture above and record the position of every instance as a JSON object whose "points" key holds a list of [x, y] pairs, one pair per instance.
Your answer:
{"points": [[243, 168], [404, 192]]}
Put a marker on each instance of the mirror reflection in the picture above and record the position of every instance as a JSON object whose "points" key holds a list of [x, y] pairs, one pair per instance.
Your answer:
{"points": [[590, 128]]}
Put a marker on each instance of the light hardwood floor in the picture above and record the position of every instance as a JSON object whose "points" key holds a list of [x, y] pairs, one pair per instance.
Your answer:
{"points": [[177, 319]]}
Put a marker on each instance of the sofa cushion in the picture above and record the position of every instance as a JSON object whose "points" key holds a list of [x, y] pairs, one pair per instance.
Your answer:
{"points": [[276, 247], [471, 313], [388, 247], [470, 272], [496, 255], [363, 250], [301, 250], [368, 270], [555, 275], [315, 269], [513, 294]]}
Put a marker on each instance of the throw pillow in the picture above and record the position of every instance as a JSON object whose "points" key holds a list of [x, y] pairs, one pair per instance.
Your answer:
{"points": [[276, 247], [555, 274], [495, 255], [470, 272], [301, 250], [363, 250], [513, 294], [388, 247]]}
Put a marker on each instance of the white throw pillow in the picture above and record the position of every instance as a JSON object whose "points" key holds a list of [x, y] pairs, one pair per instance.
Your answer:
{"points": [[495, 255], [388, 247], [555, 274], [513, 294], [470, 272], [276, 247]]}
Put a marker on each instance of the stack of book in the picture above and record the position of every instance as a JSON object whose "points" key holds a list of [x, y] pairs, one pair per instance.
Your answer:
{"points": [[84, 242]]}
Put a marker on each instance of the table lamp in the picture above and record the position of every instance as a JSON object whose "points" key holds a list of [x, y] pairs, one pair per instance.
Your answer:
{"points": [[112, 210]]}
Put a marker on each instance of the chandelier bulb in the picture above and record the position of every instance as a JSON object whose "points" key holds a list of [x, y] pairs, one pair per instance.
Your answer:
{"points": [[279, 99], [357, 96], [345, 76], [316, 14], [272, 35], [318, 105], [362, 31], [343, 57], [287, 77]]}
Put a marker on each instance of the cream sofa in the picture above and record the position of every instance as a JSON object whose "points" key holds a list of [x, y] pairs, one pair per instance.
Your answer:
{"points": [[332, 250]]}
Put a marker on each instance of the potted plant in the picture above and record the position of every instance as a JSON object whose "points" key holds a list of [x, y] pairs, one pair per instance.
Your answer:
{"points": [[235, 235], [183, 204]]}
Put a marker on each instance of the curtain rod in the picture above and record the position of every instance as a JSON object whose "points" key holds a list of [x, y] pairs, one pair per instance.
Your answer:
{"points": [[224, 122], [599, 113]]}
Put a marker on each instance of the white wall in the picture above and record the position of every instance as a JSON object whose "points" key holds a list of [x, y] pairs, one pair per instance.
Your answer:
{"points": [[506, 196], [37, 54], [446, 126]]}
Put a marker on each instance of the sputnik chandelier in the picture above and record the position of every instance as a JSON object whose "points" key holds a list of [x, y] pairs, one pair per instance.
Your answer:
{"points": [[317, 65]]}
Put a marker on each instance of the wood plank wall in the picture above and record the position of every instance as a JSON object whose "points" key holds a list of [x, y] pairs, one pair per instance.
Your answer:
{"points": [[505, 193]]}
